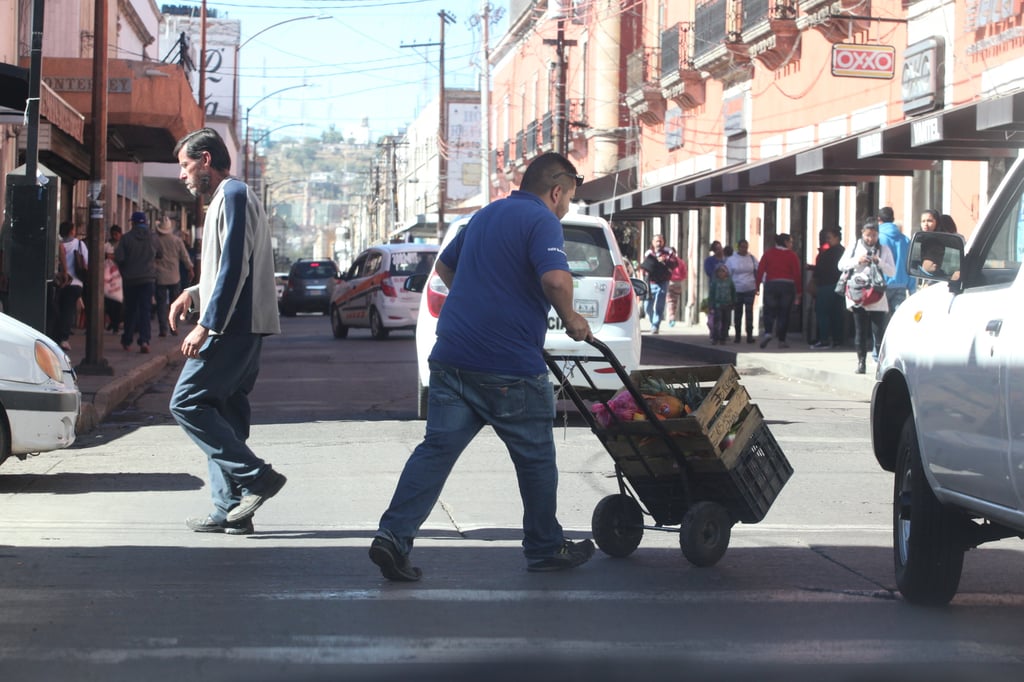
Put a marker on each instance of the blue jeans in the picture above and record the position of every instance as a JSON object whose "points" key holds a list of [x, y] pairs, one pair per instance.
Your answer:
{"points": [[656, 303], [520, 410], [744, 302], [211, 402], [895, 296], [829, 308]]}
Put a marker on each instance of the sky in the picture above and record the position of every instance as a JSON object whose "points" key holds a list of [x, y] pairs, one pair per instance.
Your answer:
{"points": [[353, 60]]}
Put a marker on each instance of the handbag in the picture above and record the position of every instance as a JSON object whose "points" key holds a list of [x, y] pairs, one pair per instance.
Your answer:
{"points": [[866, 287], [81, 266], [841, 282]]}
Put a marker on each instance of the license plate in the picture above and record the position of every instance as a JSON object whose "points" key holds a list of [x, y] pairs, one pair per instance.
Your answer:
{"points": [[586, 308]]}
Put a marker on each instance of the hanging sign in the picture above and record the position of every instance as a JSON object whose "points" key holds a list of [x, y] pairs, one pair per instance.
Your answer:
{"points": [[864, 61]]}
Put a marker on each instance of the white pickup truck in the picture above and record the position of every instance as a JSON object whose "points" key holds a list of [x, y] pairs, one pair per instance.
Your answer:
{"points": [[947, 412]]}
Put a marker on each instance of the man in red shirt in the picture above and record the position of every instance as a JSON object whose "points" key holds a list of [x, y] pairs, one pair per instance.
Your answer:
{"points": [[780, 272]]}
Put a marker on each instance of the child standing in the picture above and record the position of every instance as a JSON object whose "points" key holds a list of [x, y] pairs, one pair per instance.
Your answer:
{"points": [[721, 299]]}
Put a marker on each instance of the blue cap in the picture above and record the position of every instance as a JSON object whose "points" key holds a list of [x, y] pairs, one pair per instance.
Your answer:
{"points": [[139, 218]]}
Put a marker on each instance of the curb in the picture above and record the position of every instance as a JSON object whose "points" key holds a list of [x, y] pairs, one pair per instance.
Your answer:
{"points": [[853, 383], [109, 397]]}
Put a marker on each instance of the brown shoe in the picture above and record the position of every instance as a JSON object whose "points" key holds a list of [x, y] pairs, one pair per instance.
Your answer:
{"points": [[143, 347]]}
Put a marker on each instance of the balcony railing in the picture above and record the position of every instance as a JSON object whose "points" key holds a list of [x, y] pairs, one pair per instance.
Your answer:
{"points": [[521, 144], [531, 138], [547, 130], [754, 12], [506, 153], [680, 80], [710, 26]]}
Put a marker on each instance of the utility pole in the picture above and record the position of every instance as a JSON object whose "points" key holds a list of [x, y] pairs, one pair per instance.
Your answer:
{"points": [[442, 126], [442, 135], [561, 115], [94, 362], [485, 105]]}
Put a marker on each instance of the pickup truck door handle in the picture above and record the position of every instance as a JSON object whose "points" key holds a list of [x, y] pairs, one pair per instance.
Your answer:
{"points": [[993, 327]]}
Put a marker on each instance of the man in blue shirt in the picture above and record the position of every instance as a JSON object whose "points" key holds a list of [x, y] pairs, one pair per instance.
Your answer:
{"points": [[504, 271], [889, 234]]}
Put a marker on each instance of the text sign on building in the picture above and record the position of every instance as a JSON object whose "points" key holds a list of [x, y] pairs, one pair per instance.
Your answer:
{"points": [[922, 76], [864, 61]]}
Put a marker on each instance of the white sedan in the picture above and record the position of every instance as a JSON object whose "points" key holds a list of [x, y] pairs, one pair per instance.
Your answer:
{"points": [[39, 397]]}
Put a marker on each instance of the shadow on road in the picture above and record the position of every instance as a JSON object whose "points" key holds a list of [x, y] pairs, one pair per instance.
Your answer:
{"points": [[79, 484]]}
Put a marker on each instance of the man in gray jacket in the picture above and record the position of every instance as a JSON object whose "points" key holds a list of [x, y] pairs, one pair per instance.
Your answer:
{"points": [[136, 256], [236, 299]]}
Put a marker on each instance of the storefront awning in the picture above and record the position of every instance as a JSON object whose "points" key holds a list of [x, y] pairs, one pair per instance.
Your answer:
{"points": [[978, 131]]}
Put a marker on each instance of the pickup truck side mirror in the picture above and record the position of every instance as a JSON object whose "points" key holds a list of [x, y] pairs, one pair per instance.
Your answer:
{"points": [[935, 256]]}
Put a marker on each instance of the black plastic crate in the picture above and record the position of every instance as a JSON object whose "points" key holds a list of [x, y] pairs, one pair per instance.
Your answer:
{"points": [[749, 488]]}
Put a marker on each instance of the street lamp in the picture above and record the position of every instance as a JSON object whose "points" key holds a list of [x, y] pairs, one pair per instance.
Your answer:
{"points": [[245, 148], [265, 135], [238, 48]]}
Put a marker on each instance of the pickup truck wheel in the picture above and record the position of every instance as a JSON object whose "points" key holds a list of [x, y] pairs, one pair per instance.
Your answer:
{"points": [[338, 327], [928, 545]]}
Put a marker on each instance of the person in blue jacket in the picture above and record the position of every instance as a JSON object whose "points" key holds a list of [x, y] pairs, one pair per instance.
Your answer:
{"points": [[901, 284]]}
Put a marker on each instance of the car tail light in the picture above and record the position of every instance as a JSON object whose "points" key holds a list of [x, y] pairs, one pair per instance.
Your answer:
{"points": [[437, 293], [620, 305], [387, 287]]}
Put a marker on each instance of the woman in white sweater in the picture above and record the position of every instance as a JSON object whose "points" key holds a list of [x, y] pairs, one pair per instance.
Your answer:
{"points": [[869, 317]]}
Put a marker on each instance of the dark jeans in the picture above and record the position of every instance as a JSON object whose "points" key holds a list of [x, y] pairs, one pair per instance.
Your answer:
{"points": [[744, 302], [720, 332], [869, 326], [67, 311], [211, 402], [138, 307], [778, 301], [828, 309], [113, 310], [165, 294]]}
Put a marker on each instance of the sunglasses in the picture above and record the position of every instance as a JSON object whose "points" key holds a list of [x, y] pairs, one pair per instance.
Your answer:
{"points": [[577, 177]]}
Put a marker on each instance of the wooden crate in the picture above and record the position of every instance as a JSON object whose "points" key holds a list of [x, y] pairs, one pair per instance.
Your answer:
{"points": [[699, 435]]}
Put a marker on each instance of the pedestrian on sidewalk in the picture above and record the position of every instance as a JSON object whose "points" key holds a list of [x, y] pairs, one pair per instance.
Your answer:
{"points": [[869, 318], [780, 271], [487, 367], [173, 257], [658, 263], [113, 290], [70, 294], [828, 305], [743, 271], [236, 299], [722, 300], [136, 256], [676, 291], [900, 284]]}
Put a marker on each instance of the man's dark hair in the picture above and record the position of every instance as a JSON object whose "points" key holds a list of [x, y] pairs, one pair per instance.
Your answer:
{"points": [[781, 239], [827, 232], [116, 228], [886, 215], [205, 140], [540, 175], [65, 228]]}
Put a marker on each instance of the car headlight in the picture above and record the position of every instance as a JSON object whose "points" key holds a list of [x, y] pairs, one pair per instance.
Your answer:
{"points": [[48, 361]]}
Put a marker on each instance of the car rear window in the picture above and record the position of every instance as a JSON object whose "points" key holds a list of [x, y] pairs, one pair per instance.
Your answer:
{"points": [[587, 251], [412, 262], [314, 270]]}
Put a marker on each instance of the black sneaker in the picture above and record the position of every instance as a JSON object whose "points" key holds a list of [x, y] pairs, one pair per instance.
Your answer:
{"points": [[208, 525], [253, 501], [764, 340], [393, 564], [570, 555]]}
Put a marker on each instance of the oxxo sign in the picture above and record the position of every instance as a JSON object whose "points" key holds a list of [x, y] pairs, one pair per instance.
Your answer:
{"points": [[864, 61]]}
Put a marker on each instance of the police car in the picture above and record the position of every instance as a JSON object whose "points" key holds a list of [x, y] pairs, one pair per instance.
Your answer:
{"points": [[603, 293]]}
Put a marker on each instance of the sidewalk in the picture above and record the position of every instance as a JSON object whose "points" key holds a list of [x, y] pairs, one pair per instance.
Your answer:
{"points": [[130, 371], [828, 367]]}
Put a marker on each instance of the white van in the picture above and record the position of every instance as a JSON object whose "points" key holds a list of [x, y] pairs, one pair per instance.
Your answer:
{"points": [[603, 293]]}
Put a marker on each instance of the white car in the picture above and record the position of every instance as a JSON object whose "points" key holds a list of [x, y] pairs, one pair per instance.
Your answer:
{"points": [[603, 293], [39, 397], [371, 292]]}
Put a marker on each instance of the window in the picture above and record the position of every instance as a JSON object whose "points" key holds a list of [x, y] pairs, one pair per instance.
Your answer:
{"points": [[1002, 248], [588, 252], [411, 262]]}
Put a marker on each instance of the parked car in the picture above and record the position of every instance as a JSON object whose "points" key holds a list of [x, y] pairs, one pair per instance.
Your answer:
{"points": [[604, 294], [39, 397], [371, 293], [947, 411], [280, 281], [308, 287]]}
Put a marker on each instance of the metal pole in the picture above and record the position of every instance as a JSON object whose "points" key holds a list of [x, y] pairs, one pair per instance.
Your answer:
{"points": [[94, 363], [485, 107], [32, 108], [202, 60], [442, 135]]}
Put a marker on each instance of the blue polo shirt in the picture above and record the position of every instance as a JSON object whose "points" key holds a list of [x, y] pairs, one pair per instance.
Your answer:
{"points": [[495, 317]]}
